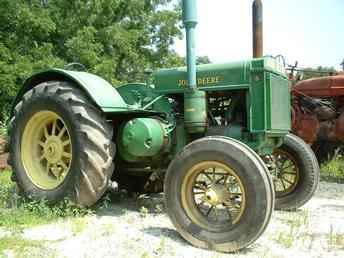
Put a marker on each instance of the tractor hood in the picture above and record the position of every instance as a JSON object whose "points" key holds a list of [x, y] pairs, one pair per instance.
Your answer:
{"points": [[234, 75]]}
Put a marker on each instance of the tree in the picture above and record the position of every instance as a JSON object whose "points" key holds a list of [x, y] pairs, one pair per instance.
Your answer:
{"points": [[116, 39], [320, 71], [203, 60]]}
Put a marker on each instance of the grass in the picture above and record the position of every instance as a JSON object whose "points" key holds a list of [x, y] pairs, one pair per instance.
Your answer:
{"points": [[333, 170], [335, 239], [17, 213], [78, 225], [297, 225], [20, 247]]}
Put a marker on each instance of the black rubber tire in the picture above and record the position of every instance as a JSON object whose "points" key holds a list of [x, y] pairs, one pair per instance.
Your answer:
{"points": [[309, 174], [255, 178], [91, 137]]}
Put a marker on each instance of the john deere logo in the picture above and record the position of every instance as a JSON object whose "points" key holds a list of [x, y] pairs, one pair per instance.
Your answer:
{"points": [[202, 81]]}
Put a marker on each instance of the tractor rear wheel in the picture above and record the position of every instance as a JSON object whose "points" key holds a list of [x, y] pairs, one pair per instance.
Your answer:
{"points": [[295, 173], [60, 145], [218, 194]]}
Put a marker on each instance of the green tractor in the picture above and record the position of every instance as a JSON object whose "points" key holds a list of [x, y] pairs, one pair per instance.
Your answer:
{"points": [[208, 136]]}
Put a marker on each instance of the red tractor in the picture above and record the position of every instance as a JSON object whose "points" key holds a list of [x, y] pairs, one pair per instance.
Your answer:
{"points": [[318, 113]]}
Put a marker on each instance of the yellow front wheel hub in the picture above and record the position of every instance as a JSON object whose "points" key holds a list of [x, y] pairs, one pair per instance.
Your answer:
{"points": [[212, 192], [46, 150]]}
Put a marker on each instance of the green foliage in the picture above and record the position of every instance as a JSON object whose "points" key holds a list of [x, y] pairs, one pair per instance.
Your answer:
{"points": [[4, 125], [203, 60], [333, 170], [320, 71], [17, 212], [116, 39]]}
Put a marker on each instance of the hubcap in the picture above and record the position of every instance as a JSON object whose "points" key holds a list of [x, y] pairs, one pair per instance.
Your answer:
{"points": [[285, 172], [213, 193], [217, 194], [46, 150]]}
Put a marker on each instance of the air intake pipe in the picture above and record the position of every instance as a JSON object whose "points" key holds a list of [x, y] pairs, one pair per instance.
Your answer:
{"points": [[195, 105]]}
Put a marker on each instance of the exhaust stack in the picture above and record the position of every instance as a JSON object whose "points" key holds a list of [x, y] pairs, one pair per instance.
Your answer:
{"points": [[257, 10]]}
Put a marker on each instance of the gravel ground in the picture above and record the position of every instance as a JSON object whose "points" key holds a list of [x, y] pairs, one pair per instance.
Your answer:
{"points": [[125, 230]]}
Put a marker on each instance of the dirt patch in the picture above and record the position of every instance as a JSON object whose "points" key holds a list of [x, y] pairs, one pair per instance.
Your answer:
{"points": [[126, 230], [3, 154]]}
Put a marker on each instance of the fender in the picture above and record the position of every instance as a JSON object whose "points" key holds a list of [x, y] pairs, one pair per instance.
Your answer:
{"points": [[102, 93]]}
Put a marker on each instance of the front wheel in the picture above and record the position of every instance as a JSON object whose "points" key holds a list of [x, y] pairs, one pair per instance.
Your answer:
{"points": [[218, 194], [295, 173]]}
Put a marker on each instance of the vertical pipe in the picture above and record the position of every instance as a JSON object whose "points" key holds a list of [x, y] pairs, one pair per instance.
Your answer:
{"points": [[195, 103], [190, 23], [257, 10]]}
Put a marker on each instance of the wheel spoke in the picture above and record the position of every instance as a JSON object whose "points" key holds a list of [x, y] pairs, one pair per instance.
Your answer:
{"points": [[284, 187], [67, 155], [42, 157], [201, 203], [284, 179], [65, 143], [236, 194], [42, 144], [282, 163], [290, 173], [53, 130], [210, 209], [200, 185], [46, 132], [64, 166], [288, 166], [62, 131], [197, 193], [219, 180], [206, 174], [47, 167]]}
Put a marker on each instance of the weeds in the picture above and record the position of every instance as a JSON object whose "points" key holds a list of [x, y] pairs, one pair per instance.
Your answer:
{"points": [[333, 170], [78, 225], [19, 246], [144, 212], [297, 225], [4, 125], [17, 212], [335, 239]]}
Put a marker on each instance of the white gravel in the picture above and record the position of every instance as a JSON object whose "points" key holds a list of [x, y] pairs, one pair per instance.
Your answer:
{"points": [[316, 230]]}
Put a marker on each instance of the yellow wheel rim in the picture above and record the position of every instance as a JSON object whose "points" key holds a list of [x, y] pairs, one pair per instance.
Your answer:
{"points": [[286, 175], [212, 193], [46, 150]]}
